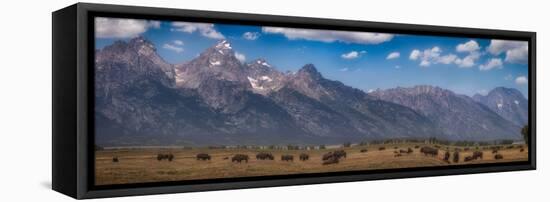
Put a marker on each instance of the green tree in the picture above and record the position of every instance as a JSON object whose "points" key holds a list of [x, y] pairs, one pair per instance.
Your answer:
{"points": [[525, 133]]}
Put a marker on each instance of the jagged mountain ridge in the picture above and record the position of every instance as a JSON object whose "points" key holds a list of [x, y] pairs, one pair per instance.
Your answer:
{"points": [[508, 103], [458, 116], [216, 99]]}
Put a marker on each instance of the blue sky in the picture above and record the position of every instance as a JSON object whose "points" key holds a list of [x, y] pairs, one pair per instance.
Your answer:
{"points": [[366, 61]]}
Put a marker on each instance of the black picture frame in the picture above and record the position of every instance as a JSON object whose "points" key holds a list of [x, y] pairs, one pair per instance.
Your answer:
{"points": [[73, 88]]}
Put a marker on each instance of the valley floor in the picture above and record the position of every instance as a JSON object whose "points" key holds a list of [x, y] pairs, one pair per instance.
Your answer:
{"points": [[141, 165]]}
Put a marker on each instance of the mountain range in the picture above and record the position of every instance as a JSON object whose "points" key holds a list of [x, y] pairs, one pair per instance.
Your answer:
{"points": [[215, 99]]}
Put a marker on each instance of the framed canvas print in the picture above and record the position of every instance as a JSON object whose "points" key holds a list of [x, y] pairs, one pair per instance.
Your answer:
{"points": [[154, 100]]}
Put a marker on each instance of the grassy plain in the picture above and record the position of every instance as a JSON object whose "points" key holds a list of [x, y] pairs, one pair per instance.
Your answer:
{"points": [[141, 165]]}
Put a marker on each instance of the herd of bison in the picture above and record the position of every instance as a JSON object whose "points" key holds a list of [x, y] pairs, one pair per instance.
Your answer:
{"points": [[334, 157]]}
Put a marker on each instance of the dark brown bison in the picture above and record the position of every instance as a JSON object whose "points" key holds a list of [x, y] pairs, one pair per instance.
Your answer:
{"points": [[287, 157], [330, 160], [477, 155], [115, 159], [498, 156], [340, 153], [363, 150], [429, 151], [225, 158], [168, 157], [447, 157], [409, 150], [264, 156], [468, 158], [304, 157], [495, 151], [398, 155], [239, 158], [521, 150], [381, 148], [203, 156], [456, 157]]}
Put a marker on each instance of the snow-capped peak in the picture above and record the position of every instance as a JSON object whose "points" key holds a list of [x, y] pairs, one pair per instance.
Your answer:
{"points": [[223, 45]]}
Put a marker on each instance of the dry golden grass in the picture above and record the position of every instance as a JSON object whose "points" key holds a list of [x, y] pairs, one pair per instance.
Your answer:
{"points": [[141, 165]]}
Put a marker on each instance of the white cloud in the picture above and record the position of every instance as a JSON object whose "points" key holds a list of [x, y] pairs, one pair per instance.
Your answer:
{"points": [[251, 35], [397, 67], [447, 59], [178, 42], [393, 55], [469, 47], [173, 48], [122, 28], [491, 64], [350, 55], [521, 80], [432, 56], [468, 61], [330, 36], [516, 51], [205, 29], [345, 69], [241, 57], [414, 55]]}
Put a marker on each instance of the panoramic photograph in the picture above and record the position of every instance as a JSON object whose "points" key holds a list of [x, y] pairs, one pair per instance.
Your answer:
{"points": [[178, 101]]}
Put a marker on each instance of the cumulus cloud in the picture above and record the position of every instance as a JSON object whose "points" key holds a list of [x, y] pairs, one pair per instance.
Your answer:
{"points": [[178, 42], [521, 80], [432, 56], [171, 47], [515, 51], [393, 55], [251, 35], [350, 55], [491, 64], [122, 28], [329, 36], [241, 57], [205, 29], [414, 54], [469, 47], [468, 61]]}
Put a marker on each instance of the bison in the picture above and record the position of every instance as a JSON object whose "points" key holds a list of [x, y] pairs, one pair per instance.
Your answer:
{"points": [[363, 151], [287, 157], [447, 156], [330, 160], [429, 151], [468, 158], [456, 157], [115, 159], [521, 150], [239, 158], [498, 156], [203, 156], [264, 156], [168, 157], [477, 154], [381, 148], [304, 157]]}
